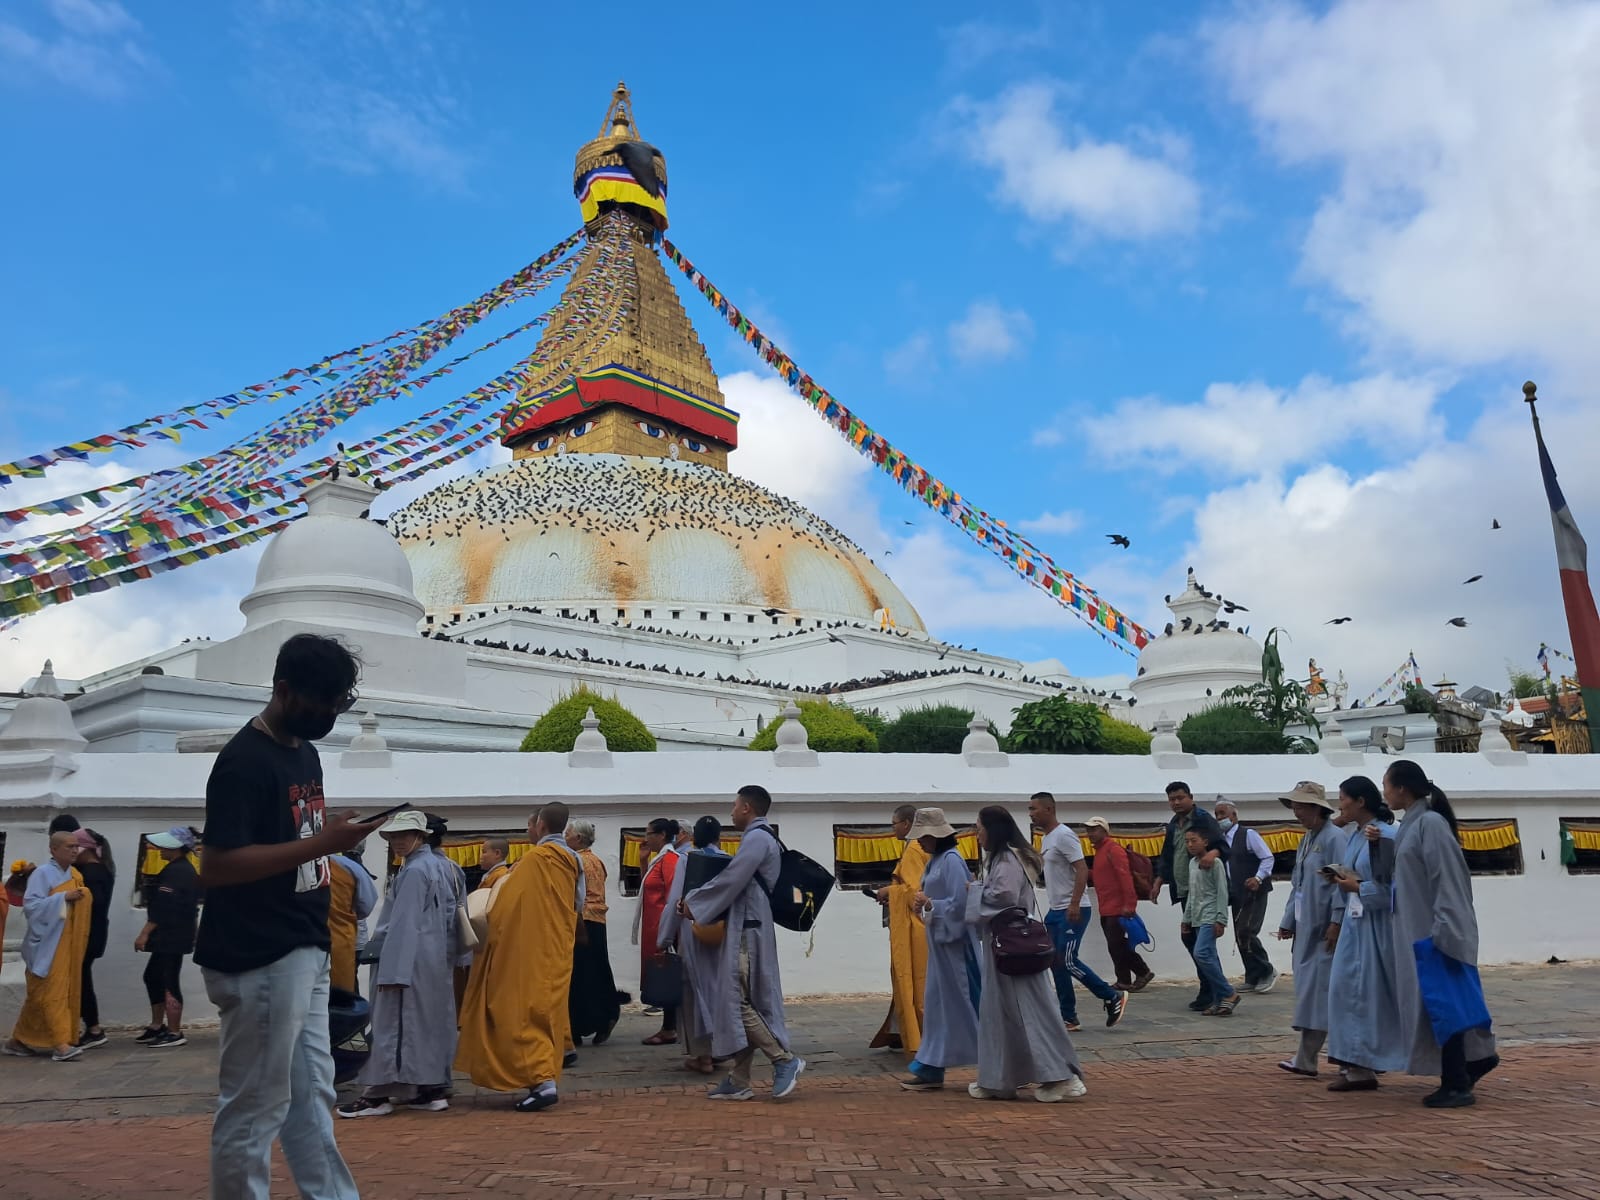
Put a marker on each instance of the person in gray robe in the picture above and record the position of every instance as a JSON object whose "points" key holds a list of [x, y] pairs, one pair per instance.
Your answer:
{"points": [[1432, 899], [949, 1013], [1312, 917], [1364, 1036], [699, 960], [413, 1036], [1021, 1037], [744, 996]]}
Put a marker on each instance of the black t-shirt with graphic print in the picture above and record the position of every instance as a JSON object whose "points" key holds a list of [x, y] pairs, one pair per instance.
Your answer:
{"points": [[261, 793]]}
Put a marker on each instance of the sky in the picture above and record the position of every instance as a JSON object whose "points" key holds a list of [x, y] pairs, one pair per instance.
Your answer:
{"points": [[1255, 284]]}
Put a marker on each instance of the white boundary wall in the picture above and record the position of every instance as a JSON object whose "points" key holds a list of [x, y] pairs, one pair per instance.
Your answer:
{"points": [[1524, 918]]}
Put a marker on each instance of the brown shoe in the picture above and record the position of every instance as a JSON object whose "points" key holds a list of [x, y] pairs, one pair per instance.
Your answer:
{"points": [[1345, 1084], [1142, 982]]}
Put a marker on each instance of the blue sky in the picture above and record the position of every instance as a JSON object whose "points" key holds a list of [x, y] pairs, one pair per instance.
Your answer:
{"points": [[1254, 284]]}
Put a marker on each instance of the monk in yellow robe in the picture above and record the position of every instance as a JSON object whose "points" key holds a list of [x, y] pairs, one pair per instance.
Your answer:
{"points": [[52, 953], [908, 943], [514, 1022], [493, 861]]}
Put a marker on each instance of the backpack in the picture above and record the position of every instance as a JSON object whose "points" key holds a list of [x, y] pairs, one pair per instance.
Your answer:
{"points": [[1144, 876], [1022, 945], [799, 891]]}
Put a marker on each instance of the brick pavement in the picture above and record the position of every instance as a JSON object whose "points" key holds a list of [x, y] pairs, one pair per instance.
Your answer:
{"points": [[1216, 1121]]}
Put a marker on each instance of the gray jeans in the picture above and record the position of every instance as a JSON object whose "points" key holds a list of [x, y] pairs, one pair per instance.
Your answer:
{"points": [[758, 1036], [275, 1080]]}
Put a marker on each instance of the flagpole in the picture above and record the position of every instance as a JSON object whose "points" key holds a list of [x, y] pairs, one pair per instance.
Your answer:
{"points": [[1583, 621]]}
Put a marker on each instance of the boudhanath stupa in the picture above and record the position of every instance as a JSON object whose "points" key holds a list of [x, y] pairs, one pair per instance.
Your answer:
{"points": [[616, 550]]}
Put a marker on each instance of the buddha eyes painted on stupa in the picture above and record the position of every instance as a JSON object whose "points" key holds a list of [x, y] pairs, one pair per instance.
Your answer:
{"points": [[581, 428], [654, 431]]}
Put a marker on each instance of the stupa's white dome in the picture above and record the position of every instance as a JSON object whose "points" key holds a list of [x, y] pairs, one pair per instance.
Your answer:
{"points": [[332, 567], [621, 536]]}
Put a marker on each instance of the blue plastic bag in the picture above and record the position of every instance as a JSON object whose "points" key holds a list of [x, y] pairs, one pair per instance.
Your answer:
{"points": [[1138, 936], [1452, 993]]}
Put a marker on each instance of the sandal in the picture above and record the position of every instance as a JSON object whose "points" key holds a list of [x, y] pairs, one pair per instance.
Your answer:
{"points": [[1225, 1009], [661, 1038]]}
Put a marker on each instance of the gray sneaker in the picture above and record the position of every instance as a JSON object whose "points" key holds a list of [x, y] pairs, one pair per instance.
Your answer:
{"points": [[728, 1090], [1271, 981], [785, 1075]]}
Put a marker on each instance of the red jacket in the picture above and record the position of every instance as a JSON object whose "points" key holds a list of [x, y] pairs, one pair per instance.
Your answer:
{"points": [[1113, 881]]}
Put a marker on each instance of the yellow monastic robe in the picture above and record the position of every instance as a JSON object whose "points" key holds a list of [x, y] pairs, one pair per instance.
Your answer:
{"points": [[908, 953], [54, 1005], [493, 876], [342, 924], [514, 1021]]}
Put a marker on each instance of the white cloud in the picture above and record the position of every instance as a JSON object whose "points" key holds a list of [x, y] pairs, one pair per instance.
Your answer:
{"points": [[1052, 522], [1047, 437], [92, 46], [1461, 222], [1250, 428], [972, 43], [373, 97], [1054, 171], [1391, 548], [988, 332], [911, 359]]}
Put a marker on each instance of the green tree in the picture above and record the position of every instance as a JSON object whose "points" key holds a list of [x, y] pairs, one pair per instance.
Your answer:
{"points": [[1056, 725], [830, 729], [1418, 699], [931, 729], [873, 720], [1230, 729], [558, 729], [1121, 737], [1277, 700], [1527, 684]]}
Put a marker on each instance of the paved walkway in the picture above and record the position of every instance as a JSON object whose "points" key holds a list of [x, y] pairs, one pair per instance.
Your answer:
{"points": [[1179, 1106]]}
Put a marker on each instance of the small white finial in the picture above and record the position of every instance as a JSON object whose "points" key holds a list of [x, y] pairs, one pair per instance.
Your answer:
{"points": [[46, 684], [980, 748], [1333, 737], [590, 749], [1495, 746], [1166, 748], [793, 747]]}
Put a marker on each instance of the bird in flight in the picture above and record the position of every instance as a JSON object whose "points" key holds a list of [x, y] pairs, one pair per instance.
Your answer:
{"points": [[1495, 524], [772, 612], [1474, 579], [1230, 606], [619, 563], [1458, 622], [1339, 621], [553, 554], [1118, 539], [834, 637]]}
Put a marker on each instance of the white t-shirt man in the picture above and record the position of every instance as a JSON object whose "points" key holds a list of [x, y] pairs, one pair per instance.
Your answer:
{"points": [[1062, 850]]}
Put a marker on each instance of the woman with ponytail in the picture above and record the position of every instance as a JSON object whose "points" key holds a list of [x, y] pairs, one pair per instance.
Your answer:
{"points": [[1364, 1035], [1432, 902]]}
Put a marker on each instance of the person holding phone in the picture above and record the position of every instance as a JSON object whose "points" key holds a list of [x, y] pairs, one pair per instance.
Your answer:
{"points": [[263, 943], [1312, 917]]}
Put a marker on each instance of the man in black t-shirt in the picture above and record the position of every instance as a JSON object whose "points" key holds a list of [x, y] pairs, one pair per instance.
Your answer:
{"points": [[263, 940]]}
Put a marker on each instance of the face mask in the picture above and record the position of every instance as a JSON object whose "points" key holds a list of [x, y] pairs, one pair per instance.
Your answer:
{"points": [[311, 725], [1225, 823]]}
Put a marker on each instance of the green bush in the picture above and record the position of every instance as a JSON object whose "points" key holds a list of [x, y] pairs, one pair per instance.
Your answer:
{"points": [[830, 729], [873, 720], [1056, 725], [558, 729], [931, 729], [1121, 737], [1230, 729], [1418, 699]]}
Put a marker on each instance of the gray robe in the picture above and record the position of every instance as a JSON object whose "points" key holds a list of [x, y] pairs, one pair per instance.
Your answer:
{"points": [[1363, 1021], [949, 1022], [1314, 904], [1432, 899], [47, 917], [739, 892], [1021, 1037], [699, 962], [414, 1024]]}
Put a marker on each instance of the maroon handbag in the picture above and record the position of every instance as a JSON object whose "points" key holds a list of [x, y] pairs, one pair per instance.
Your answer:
{"points": [[1022, 945]]}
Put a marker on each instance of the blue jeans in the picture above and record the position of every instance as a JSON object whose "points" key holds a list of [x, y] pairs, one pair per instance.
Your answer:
{"points": [[275, 1080], [1208, 964], [1066, 935]]}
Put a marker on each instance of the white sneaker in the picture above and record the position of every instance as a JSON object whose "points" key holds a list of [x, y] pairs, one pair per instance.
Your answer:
{"points": [[983, 1093], [1067, 1089]]}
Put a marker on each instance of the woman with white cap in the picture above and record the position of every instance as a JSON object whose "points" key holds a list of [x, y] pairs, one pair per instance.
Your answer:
{"points": [[413, 1012], [950, 1003]]}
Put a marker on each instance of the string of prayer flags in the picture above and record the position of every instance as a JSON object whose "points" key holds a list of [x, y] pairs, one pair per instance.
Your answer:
{"points": [[1021, 555], [169, 426]]}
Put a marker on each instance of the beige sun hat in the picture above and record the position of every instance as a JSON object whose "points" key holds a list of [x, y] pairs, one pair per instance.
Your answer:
{"points": [[1099, 823], [411, 820], [930, 822], [1308, 791]]}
